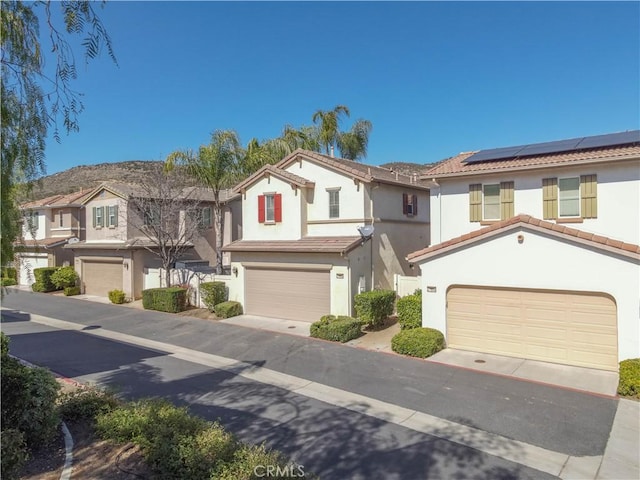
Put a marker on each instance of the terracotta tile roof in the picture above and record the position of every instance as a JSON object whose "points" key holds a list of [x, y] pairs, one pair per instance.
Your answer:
{"points": [[595, 240], [304, 245], [361, 171], [277, 172], [44, 242], [455, 166], [58, 200]]}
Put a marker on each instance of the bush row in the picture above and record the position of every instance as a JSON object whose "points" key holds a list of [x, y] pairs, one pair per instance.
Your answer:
{"points": [[375, 306], [9, 272], [172, 299], [337, 329], [49, 279]]}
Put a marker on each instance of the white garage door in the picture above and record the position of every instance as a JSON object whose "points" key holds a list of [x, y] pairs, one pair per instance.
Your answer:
{"points": [[28, 264], [292, 294], [563, 327], [99, 277]]}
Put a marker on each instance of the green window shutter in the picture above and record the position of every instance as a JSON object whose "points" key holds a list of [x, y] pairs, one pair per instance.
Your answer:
{"points": [[506, 200], [115, 215], [94, 217], [549, 198], [589, 196], [475, 202]]}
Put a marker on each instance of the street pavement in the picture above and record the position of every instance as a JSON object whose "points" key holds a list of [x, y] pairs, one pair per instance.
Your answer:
{"points": [[333, 440]]}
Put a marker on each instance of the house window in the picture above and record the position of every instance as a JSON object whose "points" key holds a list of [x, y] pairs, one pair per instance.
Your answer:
{"points": [[151, 217], [113, 216], [409, 204], [491, 201], [270, 208], [205, 218], [569, 197], [61, 219], [98, 217], [334, 203]]}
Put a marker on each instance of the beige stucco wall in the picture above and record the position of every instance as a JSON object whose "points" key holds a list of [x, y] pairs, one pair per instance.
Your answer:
{"points": [[108, 234]]}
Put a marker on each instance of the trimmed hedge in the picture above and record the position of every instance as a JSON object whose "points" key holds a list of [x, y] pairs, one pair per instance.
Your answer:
{"points": [[172, 299], [7, 282], [629, 383], [71, 291], [228, 309], [418, 342], [9, 272], [44, 283], [409, 309], [213, 293], [117, 296], [337, 329], [64, 277], [375, 306]]}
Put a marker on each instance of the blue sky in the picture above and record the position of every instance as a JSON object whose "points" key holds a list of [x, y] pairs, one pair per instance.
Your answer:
{"points": [[434, 78]]}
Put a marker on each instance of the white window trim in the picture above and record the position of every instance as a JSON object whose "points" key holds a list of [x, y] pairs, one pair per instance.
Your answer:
{"points": [[271, 195], [579, 215], [99, 217], [110, 224], [332, 191], [483, 203]]}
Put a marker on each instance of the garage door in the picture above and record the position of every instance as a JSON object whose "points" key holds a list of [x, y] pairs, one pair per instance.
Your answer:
{"points": [[101, 277], [28, 264], [292, 294], [562, 327]]}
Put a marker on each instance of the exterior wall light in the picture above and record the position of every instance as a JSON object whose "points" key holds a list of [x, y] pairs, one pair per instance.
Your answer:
{"points": [[520, 238]]}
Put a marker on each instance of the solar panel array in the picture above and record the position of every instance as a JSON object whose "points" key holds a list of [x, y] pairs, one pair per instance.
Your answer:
{"points": [[581, 143]]}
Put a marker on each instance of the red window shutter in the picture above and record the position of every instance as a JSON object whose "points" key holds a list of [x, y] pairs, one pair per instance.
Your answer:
{"points": [[261, 208], [277, 207], [414, 202], [405, 202]]}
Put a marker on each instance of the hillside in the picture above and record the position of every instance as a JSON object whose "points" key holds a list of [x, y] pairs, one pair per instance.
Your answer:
{"points": [[406, 168]]}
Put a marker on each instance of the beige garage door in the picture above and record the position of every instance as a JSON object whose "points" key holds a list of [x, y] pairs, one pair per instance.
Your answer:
{"points": [[562, 327], [101, 277], [292, 294]]}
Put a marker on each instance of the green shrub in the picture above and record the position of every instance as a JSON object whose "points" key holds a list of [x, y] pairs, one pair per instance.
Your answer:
{"points": [[13, 452], [629, 383], [117, 296], [71, 291], [86, 404], [7, 282], [28, 401], [418, 342], [43, 281], [250, 463], [64, 277], [9, 272], [337, 329], [228, 309], [409, 311], [4, 346], [172, 299], [213, 293], [207, 451], [375, 306]]}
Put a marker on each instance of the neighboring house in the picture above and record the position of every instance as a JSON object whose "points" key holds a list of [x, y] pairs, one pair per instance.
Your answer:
{"points": [[115, 254], [301, 255], [554, 275], [47, 226]]}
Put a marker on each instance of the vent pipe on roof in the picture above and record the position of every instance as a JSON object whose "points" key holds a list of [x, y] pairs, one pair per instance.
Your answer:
{"points": [[331, 151]]}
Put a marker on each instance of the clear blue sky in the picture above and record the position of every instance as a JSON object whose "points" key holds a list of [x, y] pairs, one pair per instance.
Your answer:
{"points": [[434, 78]]}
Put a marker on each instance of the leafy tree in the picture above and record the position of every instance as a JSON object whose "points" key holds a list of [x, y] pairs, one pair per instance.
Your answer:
{"points": [[217, 166], [353, 144], [31, 101], [328, 122]]}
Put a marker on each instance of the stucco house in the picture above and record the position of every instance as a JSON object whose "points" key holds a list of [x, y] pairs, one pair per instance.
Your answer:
{"points": [[115, 253], [307, 246], [536, 251], [47, 226]]}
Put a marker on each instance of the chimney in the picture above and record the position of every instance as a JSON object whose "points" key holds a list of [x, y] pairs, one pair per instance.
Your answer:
{"points": [[331, 151]]}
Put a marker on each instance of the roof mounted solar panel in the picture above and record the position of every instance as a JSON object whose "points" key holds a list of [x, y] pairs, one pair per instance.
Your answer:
{"points": [[582, 143]]}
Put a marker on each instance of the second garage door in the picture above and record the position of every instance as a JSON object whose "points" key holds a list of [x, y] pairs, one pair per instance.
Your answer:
{"points": [[295, 294], [563, 327], [99, 277]]}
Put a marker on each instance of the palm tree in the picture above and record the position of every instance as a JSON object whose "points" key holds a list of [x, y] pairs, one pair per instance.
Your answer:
{"points": [[328, 123], [217, 166], [353, 144]]}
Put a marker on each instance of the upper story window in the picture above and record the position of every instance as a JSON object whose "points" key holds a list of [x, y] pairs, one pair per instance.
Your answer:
{"points": [[112, 220], [60, 219], [98, 217], [569, 197], [409, 204], [491, 202], [334, 203], [151, 217], [270, 208], [205, 218]]}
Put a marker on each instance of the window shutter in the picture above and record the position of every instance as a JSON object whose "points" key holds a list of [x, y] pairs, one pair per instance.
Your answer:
{"points": [[475, 202], [261, 208], [277, 207], [506, 200], [405, 202], [94, 217], [549, 198], [588, 196], [414, 202], [115, 215]]}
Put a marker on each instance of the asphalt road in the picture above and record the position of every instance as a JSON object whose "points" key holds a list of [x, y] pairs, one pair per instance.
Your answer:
{"points": [[331, 441]]}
